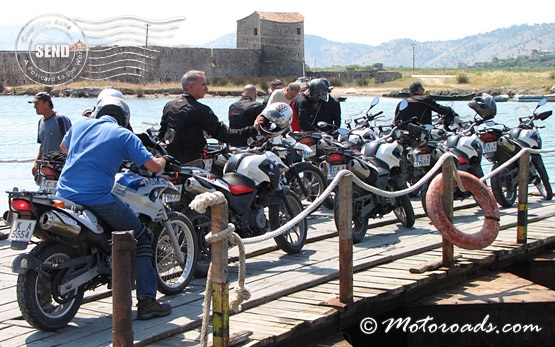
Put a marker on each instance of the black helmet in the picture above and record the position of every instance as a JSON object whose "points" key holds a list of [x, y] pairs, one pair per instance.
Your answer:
{"points": [[327, 83], [114, 107], [278, 117], [484, 105], [318, 89]]}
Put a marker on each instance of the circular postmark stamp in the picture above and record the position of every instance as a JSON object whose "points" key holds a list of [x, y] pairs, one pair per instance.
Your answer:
{"points": [[51, 50]]}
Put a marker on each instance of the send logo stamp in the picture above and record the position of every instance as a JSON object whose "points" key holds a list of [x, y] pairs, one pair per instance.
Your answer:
{"points": [[51, 50]]}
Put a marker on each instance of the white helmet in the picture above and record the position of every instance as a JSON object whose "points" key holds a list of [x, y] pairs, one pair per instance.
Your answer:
{"points": [[109, 91], [278, 117], [114, 107]]}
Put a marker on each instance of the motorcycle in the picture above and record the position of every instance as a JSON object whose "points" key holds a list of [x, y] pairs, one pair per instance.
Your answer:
{"points": [[500, 145], [72, 252], [258, 198], [377, 165]]}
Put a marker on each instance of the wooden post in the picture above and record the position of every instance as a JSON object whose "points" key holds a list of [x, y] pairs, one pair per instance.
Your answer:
{"points": [[124, 247], [522, 215], [448, 170], [219, 274], [344, 228]]}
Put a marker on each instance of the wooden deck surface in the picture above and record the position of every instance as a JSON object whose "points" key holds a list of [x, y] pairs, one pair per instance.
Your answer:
{"points": [[295, 296]]}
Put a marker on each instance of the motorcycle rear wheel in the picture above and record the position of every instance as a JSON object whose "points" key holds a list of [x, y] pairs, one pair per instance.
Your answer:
{"points": [[359, 222], [35, 295], [542, 184], [173, 277], [293, 240], [502, 186]]}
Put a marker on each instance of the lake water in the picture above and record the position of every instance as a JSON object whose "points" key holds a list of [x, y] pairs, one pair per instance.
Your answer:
{"points": [[19, 121]]}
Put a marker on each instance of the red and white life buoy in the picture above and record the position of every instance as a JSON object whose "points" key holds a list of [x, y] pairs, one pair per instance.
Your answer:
{"points": [[485, 199]]}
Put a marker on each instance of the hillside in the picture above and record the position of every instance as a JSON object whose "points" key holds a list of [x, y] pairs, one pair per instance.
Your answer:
{"points": [[501, 44]]}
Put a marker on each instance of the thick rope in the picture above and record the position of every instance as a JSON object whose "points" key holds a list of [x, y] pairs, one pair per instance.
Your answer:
{"points": [[199, 204], [513, 159]]}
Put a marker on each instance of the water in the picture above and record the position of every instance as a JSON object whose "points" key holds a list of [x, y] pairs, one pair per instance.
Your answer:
{"points": [[18, 141]]}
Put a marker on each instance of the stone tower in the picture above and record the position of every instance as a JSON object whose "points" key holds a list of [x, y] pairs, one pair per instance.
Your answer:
{"points": [[279, 36]]}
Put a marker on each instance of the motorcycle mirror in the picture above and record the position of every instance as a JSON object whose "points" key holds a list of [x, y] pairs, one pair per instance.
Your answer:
{"points": [[169, 136], [450, 104], [322, 125], [403, 104], [375, 101], [542, 102]]}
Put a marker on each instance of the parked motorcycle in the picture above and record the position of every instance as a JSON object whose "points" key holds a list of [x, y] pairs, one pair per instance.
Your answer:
{"points": [[377, 165], [502, 144], [258, 198], [72, 252]]}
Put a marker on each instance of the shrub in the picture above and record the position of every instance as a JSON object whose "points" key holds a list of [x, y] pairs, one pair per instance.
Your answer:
{"points": [[462, 79]]}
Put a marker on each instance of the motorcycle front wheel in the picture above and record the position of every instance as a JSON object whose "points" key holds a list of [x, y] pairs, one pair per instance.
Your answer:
{"points": [[202, 223], [404, 211], [38, 301], [172, 276], [292, 240], [306, 177], [504, 185]]}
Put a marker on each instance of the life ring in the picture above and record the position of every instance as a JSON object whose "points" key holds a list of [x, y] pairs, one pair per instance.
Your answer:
{"points": [[485, 199]]}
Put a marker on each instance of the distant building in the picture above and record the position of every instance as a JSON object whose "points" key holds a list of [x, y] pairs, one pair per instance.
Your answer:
{"points": [[268, 44]]}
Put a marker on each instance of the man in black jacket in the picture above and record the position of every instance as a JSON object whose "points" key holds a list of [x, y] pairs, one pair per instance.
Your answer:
{"points": [[420, 106], [243, 112], [190, 119]]}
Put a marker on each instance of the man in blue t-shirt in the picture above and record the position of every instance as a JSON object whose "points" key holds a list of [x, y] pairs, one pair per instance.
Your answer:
{"points": [[95, 150], [52, 126]]}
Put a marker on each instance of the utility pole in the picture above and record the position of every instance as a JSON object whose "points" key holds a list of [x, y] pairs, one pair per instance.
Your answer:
{"points": [[146, 42], [413, 44]]}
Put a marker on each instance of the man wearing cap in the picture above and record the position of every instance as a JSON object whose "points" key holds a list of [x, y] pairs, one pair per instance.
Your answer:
{"points": [[420, 106], [52, 126], [275, 84]]}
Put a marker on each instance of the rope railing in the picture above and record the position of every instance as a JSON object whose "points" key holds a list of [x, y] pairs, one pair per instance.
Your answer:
{"points": [[346, 178]]}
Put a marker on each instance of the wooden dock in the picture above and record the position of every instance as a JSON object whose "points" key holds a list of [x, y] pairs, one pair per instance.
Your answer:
{"points": [[294, 297]]}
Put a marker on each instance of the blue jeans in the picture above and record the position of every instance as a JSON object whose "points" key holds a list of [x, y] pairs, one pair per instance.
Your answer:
{"points": [[121, 218]]}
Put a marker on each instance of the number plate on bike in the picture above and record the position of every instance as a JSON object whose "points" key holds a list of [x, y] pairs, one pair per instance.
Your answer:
{"points": [[208, 163], [423, 160], [22, 230], [49, 186], [334, 169], [490, 147]]}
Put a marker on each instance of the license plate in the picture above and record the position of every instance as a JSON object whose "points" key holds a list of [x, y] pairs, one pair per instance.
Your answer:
{"points": [[423, 160], [208, 164], [490, 147], [49, 186], [334, 169], [22, 230], [173, 197]]}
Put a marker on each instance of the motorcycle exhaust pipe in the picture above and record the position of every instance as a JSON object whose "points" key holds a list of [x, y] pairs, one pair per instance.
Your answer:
{"points": [[54, 222], [358, 169], [507, 144], [192, 185]]}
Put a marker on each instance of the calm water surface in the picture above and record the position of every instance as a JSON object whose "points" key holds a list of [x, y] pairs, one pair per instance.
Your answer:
{"points": [[18, 140]]}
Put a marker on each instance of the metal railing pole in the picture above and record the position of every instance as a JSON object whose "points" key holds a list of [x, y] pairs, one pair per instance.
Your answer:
{"points": [[123, 270], [344, 228]]}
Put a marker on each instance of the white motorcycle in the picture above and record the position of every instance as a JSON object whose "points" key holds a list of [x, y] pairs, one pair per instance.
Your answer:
{"points": [[73, 252]]}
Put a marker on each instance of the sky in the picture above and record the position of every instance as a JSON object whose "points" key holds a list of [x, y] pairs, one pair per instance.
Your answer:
{"points": [[358, 21]]}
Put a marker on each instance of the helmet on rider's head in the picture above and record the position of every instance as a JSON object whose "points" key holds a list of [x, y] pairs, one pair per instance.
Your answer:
{"points": [[484, 105], [318, 89], [327, 83], [277, 119], [109, 91], [115, 107]]}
